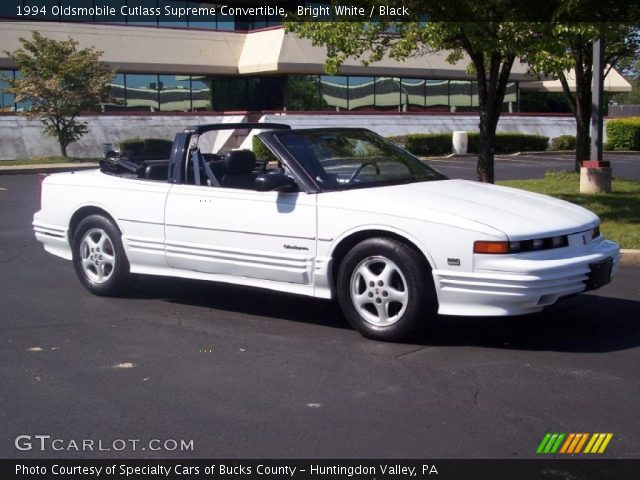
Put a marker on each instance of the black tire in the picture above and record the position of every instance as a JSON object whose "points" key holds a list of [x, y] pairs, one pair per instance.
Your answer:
{"points": [[96, 271], [393, 311]]}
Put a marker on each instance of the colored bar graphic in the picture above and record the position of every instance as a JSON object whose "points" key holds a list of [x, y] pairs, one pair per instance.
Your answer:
{"points": [[553, 443]]}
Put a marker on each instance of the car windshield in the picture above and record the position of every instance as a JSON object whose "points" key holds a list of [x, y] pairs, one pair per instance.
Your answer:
{"points": [[353, 158]]}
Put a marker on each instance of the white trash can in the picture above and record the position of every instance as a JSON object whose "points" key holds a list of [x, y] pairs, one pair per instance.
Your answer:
{"points": [[460, 142]]}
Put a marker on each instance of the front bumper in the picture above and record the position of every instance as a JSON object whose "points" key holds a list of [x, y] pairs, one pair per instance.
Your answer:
{"points": [[521, 283]]}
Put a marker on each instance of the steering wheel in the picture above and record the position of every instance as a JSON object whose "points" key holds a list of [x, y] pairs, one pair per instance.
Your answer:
{"points": [[361, 167]]}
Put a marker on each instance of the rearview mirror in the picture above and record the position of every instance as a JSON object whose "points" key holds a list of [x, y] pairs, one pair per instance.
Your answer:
{"points": [[275, 182]]}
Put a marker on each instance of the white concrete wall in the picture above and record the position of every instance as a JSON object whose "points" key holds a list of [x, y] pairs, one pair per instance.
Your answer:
{"points": [[21, 138], [388, 125]]}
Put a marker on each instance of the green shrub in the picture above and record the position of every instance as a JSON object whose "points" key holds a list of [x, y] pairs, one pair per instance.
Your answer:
{"points": [[564, 142], [508, 142], [433, 144], [261, 151], [132, 147], [157, 146], [624, 133], [148, 147], [425, 144]]}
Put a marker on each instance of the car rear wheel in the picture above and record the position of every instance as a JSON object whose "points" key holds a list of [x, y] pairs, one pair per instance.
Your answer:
{"points": [[385, 289], [99, 258]]}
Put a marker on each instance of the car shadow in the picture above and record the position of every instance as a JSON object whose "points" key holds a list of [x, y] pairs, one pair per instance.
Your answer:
{"points": [[241, 299], [583, 323]]}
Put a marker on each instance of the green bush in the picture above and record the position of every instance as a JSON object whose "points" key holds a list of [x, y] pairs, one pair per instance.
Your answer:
{"points": [[624, 133], [508, 142], [563, 142], [425, 144], [433, 144], [157, 146], [148, 147], [132, 147], [261, 151]]}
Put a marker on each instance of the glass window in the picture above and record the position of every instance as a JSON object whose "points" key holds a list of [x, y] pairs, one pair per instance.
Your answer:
{"points": [[118, 17], [437, 94], [202, 21], [475, 100], [361, 93], [47, 6], [142, 12], [175, 93], [303, 92], [22, 106], [334, 92], [460, 93], [82, 6], [225, 22], [169, 10], [412, 94], [117, 93], [200, 93], [142, 92], [511, 97], [6, 99], [229, 93], [387, 93]]}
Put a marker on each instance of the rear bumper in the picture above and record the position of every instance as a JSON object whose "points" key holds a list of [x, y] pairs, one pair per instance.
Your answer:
{"points": [[520, 284]]}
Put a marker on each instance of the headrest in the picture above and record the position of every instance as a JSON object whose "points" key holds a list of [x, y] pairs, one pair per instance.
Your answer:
{"points": [[237, 162]]}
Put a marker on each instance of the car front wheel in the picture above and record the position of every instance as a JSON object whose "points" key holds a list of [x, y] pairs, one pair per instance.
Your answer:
{"points": [[385, 289], [98, 256]]}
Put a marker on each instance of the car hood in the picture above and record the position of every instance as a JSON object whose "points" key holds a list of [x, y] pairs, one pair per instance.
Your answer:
{"points": [[516, 213]]}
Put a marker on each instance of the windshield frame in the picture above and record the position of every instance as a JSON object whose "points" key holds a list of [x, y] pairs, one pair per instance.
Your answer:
{"points": [[273, 142]]}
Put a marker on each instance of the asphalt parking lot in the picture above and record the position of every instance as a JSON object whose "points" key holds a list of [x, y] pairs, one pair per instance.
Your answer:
{"points": [[251, 374], [516, 167]]}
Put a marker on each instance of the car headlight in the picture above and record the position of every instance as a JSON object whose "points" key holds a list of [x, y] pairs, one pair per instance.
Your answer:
{"points": [[533, 245]]}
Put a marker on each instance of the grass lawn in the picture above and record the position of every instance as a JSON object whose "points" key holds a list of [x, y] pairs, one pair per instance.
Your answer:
{"points": [[619, 211], [45, 160]]}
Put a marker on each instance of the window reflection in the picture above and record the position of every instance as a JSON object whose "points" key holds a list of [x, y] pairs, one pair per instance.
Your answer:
{"points": [[118, 94], [141, 7], [7, 101], [200, 93], [437, 93], [460, 93], [361, 93], [412, 94], [303, 92], [334, 91], [175, 93], [142, 92], [387, 91]]}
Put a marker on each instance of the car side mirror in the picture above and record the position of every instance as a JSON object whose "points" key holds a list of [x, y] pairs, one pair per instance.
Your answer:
{"points": [[275, 182]]}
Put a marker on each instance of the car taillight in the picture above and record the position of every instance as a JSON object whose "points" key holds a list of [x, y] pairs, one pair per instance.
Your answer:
{"points": [[41, 177]]}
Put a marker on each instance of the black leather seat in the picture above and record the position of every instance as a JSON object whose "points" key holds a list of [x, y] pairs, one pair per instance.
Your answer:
{"points": [[156, 172], [239, 166]]}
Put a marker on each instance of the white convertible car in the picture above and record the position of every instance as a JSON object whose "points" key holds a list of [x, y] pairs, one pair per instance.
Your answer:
{"points": [[329, 213]]}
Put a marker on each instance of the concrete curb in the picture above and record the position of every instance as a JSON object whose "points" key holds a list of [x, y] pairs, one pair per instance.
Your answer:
{"points": [[630, 258], [46, 168]]}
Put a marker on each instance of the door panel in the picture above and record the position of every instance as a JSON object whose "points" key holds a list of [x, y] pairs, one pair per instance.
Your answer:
{"points": [[266, 235]]}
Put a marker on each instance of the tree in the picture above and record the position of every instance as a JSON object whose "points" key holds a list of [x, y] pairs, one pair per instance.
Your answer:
{"points": [[490, 45], [60, 81], [630, 69], [569, 46]]}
